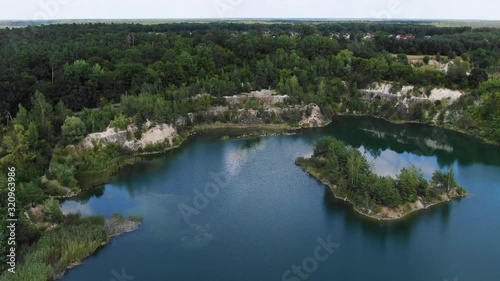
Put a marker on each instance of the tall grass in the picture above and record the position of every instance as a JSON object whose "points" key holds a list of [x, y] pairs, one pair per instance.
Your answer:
{"points": [[59, 248]]}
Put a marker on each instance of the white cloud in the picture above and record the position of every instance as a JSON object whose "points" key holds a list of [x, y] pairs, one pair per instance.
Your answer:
{"points": [[117, 9]]}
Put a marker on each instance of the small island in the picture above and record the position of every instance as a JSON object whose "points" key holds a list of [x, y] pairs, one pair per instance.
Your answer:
{"points": [[349, 177]]}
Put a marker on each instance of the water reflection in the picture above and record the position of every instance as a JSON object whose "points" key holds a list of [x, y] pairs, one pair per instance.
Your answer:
{"points": [[421, 140], [390, 163], [262, 221]]}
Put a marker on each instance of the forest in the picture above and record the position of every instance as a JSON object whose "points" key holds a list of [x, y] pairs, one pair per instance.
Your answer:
{"points": [[61, 82]]}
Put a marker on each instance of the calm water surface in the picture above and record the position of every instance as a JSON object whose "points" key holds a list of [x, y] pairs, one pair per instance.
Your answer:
{"points": [[268, 215]]}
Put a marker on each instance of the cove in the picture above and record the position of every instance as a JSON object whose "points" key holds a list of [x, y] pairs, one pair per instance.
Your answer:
{"points": [[269, 215]]}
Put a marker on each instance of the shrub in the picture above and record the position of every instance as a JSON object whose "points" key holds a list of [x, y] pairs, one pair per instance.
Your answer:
{"points": [[120, 122]]}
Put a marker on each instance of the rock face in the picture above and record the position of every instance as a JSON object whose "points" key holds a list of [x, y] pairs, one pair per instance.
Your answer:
{"points": [[108, 136], [388, 91], [411, 103], [314, 119], [155, 134], [266, 97]]}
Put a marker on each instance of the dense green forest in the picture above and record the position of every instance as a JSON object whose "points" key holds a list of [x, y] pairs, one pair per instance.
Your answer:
{"points": [[91, 65], [61, 82], [82, 65], [350, 173]]}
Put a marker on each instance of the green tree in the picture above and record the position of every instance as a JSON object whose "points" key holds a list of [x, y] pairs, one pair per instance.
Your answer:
{"points": [[438, 57], [290, 86], [42, 113], [22, 116], [73, 129], [384, 191], [53, 211], [410, 182], [30, 193], [356, 166], [457, 72], [17, 149]]}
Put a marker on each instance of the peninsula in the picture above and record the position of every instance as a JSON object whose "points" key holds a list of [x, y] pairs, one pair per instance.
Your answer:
{"points": [[349, 177]]}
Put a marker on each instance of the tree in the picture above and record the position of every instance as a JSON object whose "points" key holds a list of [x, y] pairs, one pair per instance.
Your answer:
{"points": [[73, 129], [410, 183], [457, 72], [290, 86], [53, 211], [22, 117], [18, 152], [42, 113], [426, 59], [60, 114], [477, 76], [444, 180], [30, 193], [384, 191], [322, 145], [356, 166]]}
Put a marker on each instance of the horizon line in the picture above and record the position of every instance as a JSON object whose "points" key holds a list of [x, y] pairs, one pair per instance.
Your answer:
{"points": [[255, 18]]}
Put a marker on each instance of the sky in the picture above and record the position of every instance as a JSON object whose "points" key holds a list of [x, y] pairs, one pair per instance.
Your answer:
{"points": [[220, 9]]}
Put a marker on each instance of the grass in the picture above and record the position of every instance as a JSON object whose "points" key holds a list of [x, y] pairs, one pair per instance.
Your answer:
{"points": [[118, 217], [54, 188], [59, 248], [135, 218]]}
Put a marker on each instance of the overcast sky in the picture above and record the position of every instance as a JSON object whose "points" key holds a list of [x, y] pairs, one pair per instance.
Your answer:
{"points": [[166, 9]]}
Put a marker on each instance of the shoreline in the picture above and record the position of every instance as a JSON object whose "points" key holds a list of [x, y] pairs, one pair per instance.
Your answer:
{"points": [[278, 128], [402, 122], [126, 226], [403, 215]]}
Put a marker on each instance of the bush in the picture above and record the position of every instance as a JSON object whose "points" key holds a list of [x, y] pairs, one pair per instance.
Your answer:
{"points": [[64, 174], [120, 122]]}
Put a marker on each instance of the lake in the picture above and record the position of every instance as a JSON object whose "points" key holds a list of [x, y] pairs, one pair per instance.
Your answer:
{"points": [[241, 210]]}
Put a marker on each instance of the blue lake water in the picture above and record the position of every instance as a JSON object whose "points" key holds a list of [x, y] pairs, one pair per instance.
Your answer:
{"points": [[260, 216]]}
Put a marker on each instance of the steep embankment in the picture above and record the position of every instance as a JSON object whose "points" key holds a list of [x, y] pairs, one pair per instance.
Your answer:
{"points": [[432, 106], [151, 135], [405, 94]]}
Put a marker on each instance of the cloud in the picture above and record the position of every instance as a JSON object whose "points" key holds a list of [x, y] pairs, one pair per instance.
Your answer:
{"points": [[161, 9]]}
